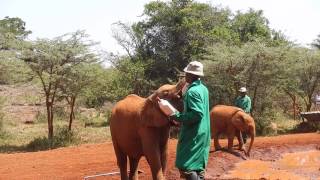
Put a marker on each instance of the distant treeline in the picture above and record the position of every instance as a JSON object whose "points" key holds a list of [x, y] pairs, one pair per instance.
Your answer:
{"points": [[237, 49]]}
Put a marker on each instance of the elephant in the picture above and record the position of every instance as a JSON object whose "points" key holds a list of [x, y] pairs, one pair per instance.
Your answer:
{"points": [[231, 121], [139, 128]]}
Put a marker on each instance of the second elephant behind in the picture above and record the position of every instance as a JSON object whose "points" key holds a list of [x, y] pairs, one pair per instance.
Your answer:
{"points": [[230, 120]]}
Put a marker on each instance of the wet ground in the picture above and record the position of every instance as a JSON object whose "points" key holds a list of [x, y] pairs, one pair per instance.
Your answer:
{"points": [[279, 157], [300, 165]]}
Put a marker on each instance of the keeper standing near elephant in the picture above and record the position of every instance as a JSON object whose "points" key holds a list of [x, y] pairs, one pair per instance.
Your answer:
{"points": [[194, 136], [243, 101]]}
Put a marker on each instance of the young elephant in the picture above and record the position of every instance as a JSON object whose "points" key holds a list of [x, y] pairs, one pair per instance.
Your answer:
{"points": [[231, 120], [139, 128]]}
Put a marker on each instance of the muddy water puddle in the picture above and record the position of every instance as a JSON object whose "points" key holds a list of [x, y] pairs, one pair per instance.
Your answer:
{"points": [[295, 166]]}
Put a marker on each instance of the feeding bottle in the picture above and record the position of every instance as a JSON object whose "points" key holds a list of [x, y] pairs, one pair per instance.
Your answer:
{"points": [[166, 107]]}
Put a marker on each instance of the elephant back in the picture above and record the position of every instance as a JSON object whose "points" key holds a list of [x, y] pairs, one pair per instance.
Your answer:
{"points": [[223, 112], [125, 112]]}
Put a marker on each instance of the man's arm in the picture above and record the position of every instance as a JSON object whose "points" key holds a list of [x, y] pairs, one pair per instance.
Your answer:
{"points": [[236, 102], [247, 105], [194, 112]]}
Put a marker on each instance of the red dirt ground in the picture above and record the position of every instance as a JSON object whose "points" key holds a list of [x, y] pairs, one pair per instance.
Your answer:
{"points": [[78, 162]]}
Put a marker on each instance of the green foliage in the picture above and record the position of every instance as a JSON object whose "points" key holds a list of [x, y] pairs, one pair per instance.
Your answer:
{"points": [[12, 33], [63, 137], [100, 120], [98, 90], [171, 35], [41, 117], [250, 26], [176, 32], [16, 26], [263, 120], [13, 71], [52, 60], [129, 78], [237, 49], [301, 76], [268, 72]]}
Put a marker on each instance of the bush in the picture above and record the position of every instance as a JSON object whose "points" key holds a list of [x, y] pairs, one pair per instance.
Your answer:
{"points": [[41, 117], [263, 121], [62, 138], [60, 113], [306, 127], [14, 71]]}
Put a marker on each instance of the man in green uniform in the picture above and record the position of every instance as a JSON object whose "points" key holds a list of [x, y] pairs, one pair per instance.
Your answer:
{"points": [[243, 101], [194, 137]]}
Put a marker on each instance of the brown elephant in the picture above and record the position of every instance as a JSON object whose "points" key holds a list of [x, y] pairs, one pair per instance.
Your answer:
{"points": [[139, 128], [231, 120]]}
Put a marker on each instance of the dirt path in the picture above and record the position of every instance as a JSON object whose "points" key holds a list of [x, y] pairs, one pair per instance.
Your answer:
{"points": [[81, 161]]}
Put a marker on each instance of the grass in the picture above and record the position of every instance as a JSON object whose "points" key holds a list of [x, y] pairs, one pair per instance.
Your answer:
{"points": [[19, 137], [15, 136], [18, 102], [287, 125]]}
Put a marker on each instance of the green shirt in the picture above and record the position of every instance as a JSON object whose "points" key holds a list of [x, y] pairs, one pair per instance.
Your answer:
{"points": [[194, 137], [244, 103]]}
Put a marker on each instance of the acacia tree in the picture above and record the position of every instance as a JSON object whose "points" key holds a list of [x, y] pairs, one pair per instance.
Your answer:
{"points": [[254, 65], [12, 33], [52, 59], [309, 76], [73, 83], [302, 76], [12, 40]]}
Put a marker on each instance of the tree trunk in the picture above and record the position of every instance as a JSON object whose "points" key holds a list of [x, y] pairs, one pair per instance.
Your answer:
{"points": [[71, 116], [309, 104], [254, 99], [50, 118], [294, 104]]}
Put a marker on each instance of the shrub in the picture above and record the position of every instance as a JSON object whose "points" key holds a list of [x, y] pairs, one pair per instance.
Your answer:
{"points": [[41, 117], [305, 127], [62, 138]]}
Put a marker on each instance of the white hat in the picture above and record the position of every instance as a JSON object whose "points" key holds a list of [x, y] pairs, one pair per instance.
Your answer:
{"points": [[195, 68], [243, 89]]}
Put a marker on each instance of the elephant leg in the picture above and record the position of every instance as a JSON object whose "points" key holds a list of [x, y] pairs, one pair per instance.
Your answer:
{"points": [[151, 149], [164, 148], [239, 137], [215, 135], [122, 163], [163, 158], [133, 175], [230, 140]]}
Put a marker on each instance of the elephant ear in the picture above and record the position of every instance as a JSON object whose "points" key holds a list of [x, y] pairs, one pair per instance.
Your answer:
{"points": [[151, 115], [238, 121]]}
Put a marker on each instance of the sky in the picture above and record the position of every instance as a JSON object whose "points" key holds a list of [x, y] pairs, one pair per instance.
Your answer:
{"points": [[297, 19]]}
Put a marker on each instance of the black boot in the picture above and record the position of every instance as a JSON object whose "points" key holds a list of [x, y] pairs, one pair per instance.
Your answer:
{"points": [[193, 175]]}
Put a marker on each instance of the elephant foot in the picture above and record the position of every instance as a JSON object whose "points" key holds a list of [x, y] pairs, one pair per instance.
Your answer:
{"points": [[242, 149], [234, 152], [247, 154]]}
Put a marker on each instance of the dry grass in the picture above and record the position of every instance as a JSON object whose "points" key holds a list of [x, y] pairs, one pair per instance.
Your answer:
{"points": [[21, 104]]}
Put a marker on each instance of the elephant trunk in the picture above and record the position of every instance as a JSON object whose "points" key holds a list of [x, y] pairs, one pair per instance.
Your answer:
{"points": [[252, 133]]}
